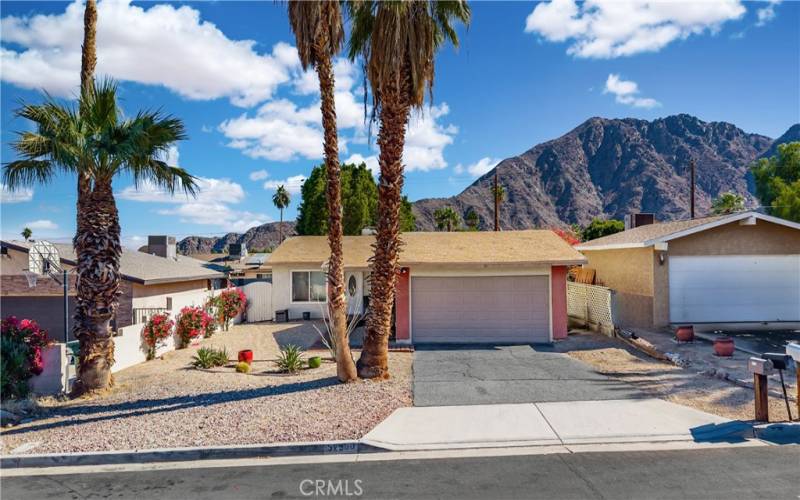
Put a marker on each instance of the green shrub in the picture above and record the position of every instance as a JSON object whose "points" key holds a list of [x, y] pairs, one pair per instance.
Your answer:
{"points": [[209, 357], [290, 359], [14, 368], [243, 367], [314, 362]]}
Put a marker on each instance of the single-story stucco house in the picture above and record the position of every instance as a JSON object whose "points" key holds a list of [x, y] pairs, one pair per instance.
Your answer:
{"points": [[453, 287], [159, 280], [715, 272]]}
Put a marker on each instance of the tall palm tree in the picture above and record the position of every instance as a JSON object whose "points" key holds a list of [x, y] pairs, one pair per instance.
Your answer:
{"points": [[281, 200], [446, 218], [398, 43], [498, 195], [99, 143], [318, 30], [88, 64], [26, 233]]}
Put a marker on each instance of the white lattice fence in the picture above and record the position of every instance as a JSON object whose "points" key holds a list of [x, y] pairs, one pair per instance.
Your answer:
{"points": [[590, 304]]}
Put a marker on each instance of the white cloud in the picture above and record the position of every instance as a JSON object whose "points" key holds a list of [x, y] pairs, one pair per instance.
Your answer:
{"points": [[172, 156], [259, 175], [43, 224], [292, 184], [158, 45], [625, 92], [616, 28], [478, 168], [767, 14], [16, 196], [371, 162], [211, 206], [426, 139]]}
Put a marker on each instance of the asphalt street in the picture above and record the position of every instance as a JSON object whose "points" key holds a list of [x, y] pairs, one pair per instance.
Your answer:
{"points": [[747, 473]]}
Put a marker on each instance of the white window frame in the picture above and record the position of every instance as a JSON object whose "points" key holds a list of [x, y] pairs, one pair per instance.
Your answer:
{"points": [[291, 287]]}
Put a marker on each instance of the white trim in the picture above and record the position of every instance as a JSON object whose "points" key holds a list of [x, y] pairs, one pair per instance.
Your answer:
{"points": [[692, 230], [291, 288], [439, 272]]}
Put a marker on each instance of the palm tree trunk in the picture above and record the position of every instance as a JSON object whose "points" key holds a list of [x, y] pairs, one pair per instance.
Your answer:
{"points": [[88, 64], [373, 362], [97, 288], [337, 305]]}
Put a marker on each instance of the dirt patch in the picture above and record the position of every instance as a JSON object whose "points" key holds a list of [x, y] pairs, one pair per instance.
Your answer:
{"points": [[667, 381], [166, 403]]}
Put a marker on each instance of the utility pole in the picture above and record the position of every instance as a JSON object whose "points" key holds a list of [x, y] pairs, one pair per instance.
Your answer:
{"points": [[691, 187], [495, 193]]}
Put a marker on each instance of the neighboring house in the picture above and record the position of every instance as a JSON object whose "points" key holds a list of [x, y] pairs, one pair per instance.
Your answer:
{"points": [[152, 282], [453, 287], [241, 270], [739, 269]]}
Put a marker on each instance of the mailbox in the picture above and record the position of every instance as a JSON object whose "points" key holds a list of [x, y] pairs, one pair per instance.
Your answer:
{"points": [[759, 366], [779, 360], [793, 350]]}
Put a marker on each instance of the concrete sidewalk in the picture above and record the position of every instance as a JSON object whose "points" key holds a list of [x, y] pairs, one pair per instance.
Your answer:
{"points": [[560, 423]]}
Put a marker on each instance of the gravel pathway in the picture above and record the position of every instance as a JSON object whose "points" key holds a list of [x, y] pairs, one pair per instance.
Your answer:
{"points": [[165, 403]]}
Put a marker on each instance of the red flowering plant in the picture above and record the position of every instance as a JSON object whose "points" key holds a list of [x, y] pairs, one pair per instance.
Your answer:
{"points": [[157, 329], [193, 322], [230, 303], [23, 343], [567, 236]]}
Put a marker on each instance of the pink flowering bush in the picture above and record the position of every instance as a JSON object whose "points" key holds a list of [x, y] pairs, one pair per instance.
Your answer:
{"points": [[157, 329], [193, 322], [23, 343], [230, 303]]}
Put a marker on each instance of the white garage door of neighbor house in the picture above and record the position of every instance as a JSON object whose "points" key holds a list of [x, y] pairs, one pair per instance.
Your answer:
{"points": [[485, 309], [734, 288]]}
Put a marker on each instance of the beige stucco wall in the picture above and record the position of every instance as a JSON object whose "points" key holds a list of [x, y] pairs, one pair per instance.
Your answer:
{"points": [[183, 294], [282, 291], [641, 282], [629, 272]]}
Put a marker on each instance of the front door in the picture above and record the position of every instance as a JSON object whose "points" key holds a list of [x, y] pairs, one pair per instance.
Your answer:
{"points": [[354, 291]]}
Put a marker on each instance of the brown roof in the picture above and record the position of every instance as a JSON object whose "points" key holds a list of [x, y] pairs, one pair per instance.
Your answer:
{"points": [[665, 231], [481, 247]]}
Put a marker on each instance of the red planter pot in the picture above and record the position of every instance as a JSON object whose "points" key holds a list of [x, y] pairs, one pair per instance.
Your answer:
{"points": [[724, 346], [685, 333], [246, 356]]}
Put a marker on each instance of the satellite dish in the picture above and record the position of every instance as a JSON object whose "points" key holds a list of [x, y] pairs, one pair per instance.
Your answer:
{"points": [[43, 259]]}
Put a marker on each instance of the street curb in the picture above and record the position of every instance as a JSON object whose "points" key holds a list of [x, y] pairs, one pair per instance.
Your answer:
{"points": [[187, 454]]}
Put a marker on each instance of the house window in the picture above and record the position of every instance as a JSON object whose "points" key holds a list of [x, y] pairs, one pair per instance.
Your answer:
{"points": [[308, 286]]}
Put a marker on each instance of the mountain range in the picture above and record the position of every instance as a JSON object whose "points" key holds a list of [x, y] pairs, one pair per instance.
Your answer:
{"points": [[603, 168]]}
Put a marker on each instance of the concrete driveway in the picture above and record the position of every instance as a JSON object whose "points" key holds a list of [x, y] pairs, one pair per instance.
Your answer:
{"points": [[479, 375]]}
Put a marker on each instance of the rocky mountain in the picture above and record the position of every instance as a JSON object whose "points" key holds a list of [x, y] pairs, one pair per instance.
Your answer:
{"points": [[611, 167], [791, 135], [256, 238]]}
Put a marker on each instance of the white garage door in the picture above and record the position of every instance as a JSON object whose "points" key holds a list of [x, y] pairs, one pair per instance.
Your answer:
{"points": [[503, 309], [722, 289]]}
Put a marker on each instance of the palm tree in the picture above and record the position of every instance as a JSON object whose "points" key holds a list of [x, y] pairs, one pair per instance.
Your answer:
{"points": [[99, 143], [88, 64], [471, 219], [318, 30], [26, 233], [446, 218], [281, 200], [398, 43], [498, 194], [727, 203]]}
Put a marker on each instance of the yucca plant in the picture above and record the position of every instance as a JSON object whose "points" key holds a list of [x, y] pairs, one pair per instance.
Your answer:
{"points": [[290, 359]]}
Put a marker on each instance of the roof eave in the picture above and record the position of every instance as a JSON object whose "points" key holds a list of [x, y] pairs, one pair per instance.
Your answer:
{"points": [[178, 279]]}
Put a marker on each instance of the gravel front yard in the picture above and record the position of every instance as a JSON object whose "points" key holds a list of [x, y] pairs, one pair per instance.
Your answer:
{"points": [[165, 403], [687, 387]]}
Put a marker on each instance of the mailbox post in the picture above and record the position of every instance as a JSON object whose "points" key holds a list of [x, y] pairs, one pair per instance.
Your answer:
{"points": [[793, 350], [760, 368]]}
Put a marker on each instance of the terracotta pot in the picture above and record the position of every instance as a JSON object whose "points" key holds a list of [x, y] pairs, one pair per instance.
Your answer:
{"points": [[246, 356], [685, 333], [724, 346]]}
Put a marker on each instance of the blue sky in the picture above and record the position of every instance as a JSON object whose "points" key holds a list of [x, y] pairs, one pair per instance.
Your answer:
{"points": [[526, 72]]}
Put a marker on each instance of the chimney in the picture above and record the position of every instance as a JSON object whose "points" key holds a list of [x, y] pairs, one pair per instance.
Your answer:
{"points": [[237, 250], [634, 220], [163, 246]]}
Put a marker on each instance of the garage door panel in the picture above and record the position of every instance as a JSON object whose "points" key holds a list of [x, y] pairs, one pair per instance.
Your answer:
{"points": [[738, 288], [480, 309]]}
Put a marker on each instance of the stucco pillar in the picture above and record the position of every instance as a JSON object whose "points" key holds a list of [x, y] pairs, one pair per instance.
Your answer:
{"points": [[558, 290], [402, 306]]}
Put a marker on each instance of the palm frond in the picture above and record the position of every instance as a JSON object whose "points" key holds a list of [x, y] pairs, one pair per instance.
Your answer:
{"points": [[24, 173], [310, 19]]}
